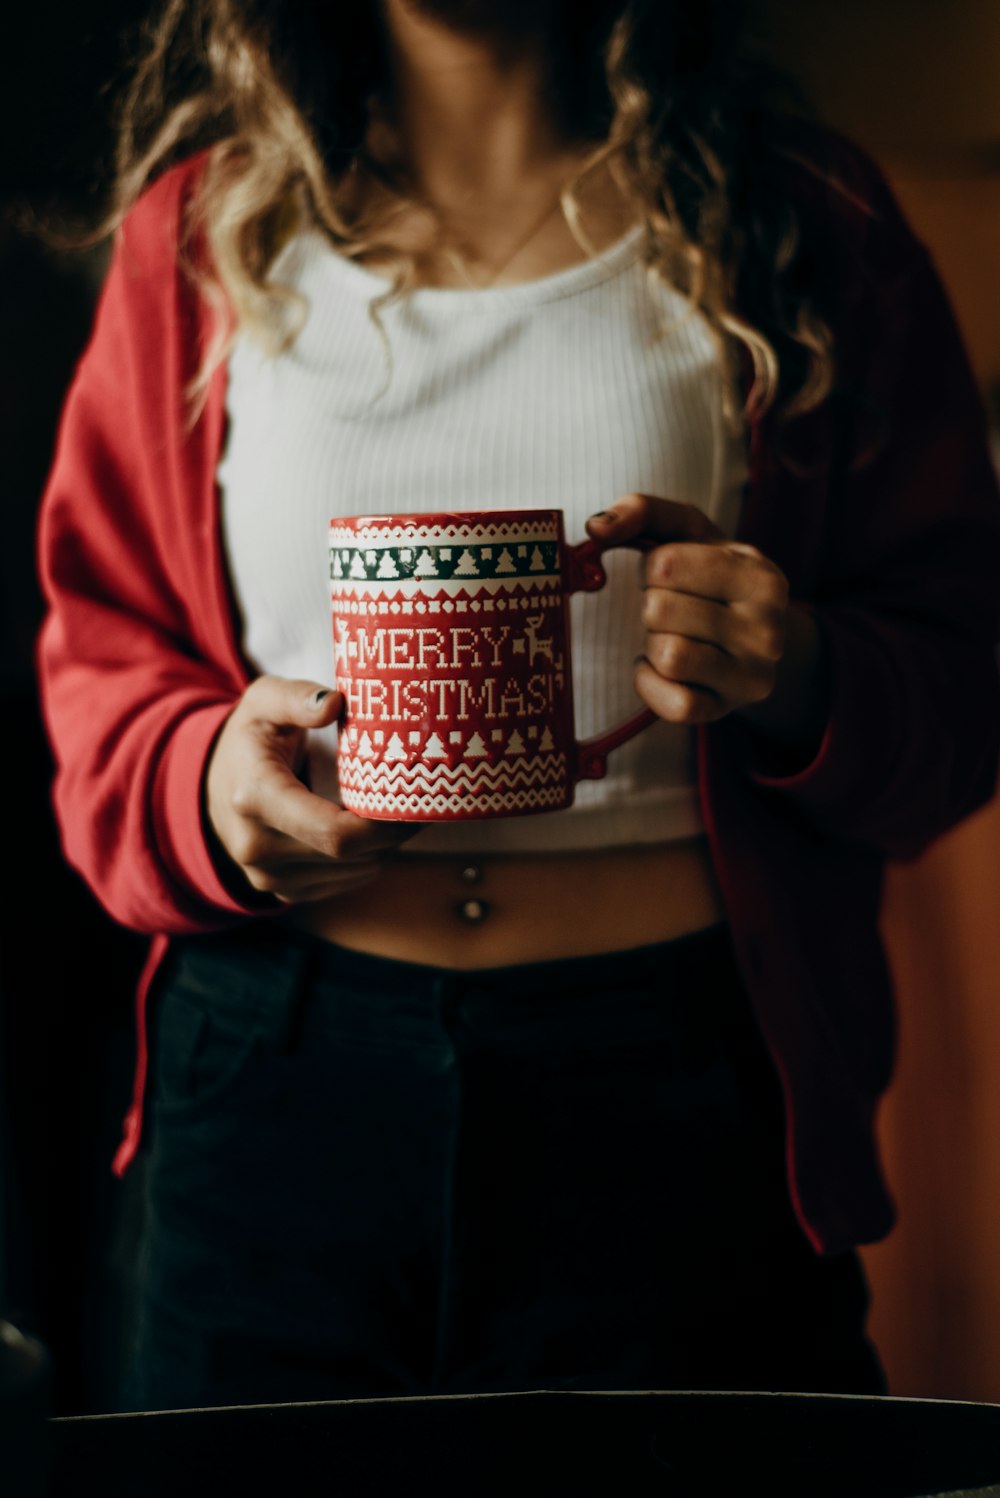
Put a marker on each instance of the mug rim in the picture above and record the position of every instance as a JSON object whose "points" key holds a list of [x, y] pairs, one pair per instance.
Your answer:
{"points": [[445, 517]]}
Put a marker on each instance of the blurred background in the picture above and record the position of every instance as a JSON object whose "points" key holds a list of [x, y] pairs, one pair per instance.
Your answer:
{"points": [[917, 83]]}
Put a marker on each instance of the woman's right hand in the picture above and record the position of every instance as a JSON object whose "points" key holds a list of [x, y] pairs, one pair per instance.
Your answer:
{"points": [[276, 834]]}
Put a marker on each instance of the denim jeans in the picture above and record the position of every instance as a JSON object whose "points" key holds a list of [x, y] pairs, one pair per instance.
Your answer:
{"points": [[366, 1177]]}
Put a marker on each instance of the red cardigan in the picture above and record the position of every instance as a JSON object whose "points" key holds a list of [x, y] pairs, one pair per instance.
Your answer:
{"points": [[140, 658]]}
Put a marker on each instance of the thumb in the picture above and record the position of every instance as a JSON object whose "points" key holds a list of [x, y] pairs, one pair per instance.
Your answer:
{"points": [[299, 704], [657, 519]]}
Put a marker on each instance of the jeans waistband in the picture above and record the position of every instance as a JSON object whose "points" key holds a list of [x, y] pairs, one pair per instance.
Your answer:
{"points": [[278, 953], [272, 974]]}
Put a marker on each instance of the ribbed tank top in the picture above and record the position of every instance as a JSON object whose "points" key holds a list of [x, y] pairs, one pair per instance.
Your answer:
{"points": [[562, 392]]}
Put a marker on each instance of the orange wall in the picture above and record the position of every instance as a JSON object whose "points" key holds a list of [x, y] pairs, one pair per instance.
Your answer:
{"points": [[959, 220], [901, 75], [918, 83], [936, 1281]]}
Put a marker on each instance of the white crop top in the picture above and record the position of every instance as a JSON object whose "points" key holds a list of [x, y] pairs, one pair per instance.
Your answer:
{"points": [[554, 393]]}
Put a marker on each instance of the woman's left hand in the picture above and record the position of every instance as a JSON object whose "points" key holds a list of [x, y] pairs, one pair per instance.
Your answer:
{"points": [[721, 634]]}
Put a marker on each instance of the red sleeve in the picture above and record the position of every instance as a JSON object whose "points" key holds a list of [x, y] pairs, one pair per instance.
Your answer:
{"points": [[135, 677], [908, 600]]}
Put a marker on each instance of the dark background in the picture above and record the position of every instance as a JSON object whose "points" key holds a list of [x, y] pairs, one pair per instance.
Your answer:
{"points": [[67, 974]]}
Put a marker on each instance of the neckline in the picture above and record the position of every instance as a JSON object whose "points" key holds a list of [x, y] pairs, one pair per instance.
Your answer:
{"points": [[552, 287]]}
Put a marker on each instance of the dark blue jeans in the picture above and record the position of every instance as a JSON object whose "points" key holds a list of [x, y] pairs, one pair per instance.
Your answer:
{"points": [[366, 1177]]}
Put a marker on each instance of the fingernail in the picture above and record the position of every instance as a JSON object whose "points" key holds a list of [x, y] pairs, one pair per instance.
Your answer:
{"points": [[320, 697], [605, 516], [639, 660]]}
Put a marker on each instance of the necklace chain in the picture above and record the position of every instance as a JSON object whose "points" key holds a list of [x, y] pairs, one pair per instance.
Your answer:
{"points": [[534, 228], [459, 260]]}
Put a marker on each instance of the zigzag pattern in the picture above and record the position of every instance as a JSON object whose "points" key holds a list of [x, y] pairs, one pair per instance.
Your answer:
{"points": [[423, 807], [429, 791], [428, 779]]}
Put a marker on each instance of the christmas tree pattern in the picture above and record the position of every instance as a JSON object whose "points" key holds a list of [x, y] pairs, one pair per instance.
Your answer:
{"points": [[365, 750], [546, 744], [434, 749], [425, 565], [537, 560], [505, 562], [475, 748], [466, 565], [394, 749], [387, 567], [358, 566], [515, 744]]}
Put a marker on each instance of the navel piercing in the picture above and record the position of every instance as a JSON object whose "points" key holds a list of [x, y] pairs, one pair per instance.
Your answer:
{"points": [[473, 912]]}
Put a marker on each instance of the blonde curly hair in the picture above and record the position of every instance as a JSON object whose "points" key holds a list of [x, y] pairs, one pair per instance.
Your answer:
{"points": [[284, 93]]}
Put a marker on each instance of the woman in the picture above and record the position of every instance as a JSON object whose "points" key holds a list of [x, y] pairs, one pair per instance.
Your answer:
{"points": [[577, 1100]]}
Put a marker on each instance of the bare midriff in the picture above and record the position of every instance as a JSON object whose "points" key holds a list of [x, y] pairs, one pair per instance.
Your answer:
{"points": [[467, 912]]}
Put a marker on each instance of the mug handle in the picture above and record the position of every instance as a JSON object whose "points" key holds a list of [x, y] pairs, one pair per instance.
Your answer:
{"points": [[585, 574]]}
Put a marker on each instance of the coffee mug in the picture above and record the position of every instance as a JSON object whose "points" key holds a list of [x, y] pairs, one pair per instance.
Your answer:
{"points": [[452, 649]]}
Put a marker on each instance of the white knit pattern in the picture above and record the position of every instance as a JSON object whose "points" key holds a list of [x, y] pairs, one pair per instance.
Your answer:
{"points": [[551, 394]]}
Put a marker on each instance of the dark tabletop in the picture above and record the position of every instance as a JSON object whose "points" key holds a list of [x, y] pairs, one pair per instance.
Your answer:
{"points": [[684, 1445]]}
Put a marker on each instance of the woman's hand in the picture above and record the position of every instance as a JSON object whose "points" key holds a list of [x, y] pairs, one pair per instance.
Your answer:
{"points": [[721, 634], [282, 839]]}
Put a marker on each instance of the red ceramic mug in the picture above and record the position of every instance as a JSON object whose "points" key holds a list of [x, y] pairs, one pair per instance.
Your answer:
{"points": [[452, 649]]}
